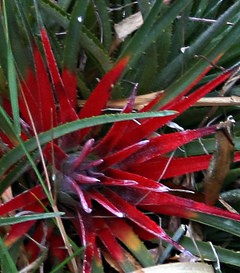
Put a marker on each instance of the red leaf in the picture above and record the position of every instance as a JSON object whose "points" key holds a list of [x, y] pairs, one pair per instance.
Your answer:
{"points": [[122, 154], [17, 231], [67, 112], [163, 144], [112, 137], [136, 133], [175, 101], [142, 182], [186, 208], [139, 218], [70, 83], [98, 197], [100, 95], [187, 102], [85, 228], [55, 155], [166, 167], [28, 90], [237, 156], [44, 95], [22, 200], [112, 245]]}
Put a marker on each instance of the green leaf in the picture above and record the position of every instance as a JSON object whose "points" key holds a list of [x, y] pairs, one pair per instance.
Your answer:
{"points": [[67, 260], [224, 255], [205, 249], [214, 50], [153, 26], [105, 22], [87, 39], [12, 82], [215, 30], [7, 126], [20, 219], [7, 263], [227, 225], [16, 154], [73, 34], [16, 171]]}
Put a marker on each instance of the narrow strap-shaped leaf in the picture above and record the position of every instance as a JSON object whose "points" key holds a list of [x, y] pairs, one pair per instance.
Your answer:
{"points": [[139, 218], [98, 197], [70, 83], [142, 182], [105, 22], [151, 125], [6, 259], [67, 112], [20, 229], [4, 221], [175, 66], [117, 157], [28, 90], [112, 245], [12, 82], [165, 143], [166, 167], [131, 240], [73, 34], [87, 40], [220, 48], [46, 106], [100, 95], [27, 198], [169, 204], [205, 89], [226, 256], [143, 37], [85, 228], [194, 83], [16, 154], [110, 140]]}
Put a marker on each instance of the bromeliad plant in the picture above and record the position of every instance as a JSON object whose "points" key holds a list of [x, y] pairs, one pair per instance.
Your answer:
{"points": [[104, 180]]}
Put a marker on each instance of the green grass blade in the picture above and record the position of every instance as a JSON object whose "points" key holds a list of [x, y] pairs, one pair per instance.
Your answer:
{"points": [[191, 74], [16, 154], [4, 221], [7, 263], [18, 140], [68, 259], [215, 30], [12, 79], [7, 126]]}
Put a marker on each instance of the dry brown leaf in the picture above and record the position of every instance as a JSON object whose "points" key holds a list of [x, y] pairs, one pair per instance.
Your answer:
{"points": [[178, 268]]}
